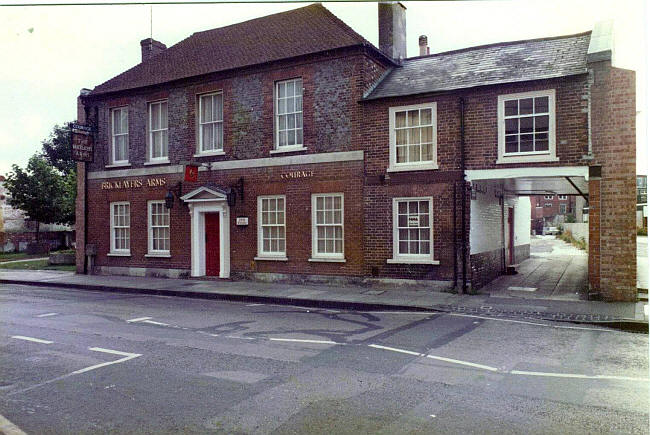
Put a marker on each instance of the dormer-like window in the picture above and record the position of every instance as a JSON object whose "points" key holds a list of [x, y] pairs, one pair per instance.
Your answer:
{"points": [[119, 136], [158, 142]]}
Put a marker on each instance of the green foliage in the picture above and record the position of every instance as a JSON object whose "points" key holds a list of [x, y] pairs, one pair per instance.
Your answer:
{"points": [[41, 192], [57, 149], [570, 219], [641, 231], [568, 238]]}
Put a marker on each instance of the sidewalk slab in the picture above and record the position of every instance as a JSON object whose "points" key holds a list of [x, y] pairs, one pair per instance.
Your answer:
{"points": [[348, 297]]}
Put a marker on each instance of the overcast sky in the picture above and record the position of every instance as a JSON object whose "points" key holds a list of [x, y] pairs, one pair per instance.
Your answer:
{"points": [[50, 52]]}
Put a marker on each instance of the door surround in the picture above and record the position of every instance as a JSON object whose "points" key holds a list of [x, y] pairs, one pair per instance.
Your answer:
{"points": [[201, 201]]}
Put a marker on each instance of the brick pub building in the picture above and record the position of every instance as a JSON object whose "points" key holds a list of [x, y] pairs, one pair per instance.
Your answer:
{"points": [[323, 158]]}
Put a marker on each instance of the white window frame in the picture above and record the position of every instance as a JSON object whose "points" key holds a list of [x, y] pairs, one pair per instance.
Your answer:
{"points": [[531, 156], [393, 166], [562, 197], [151, 252], [114, 160], [324, 256], [276, 118], [560, 209], [270, 255], [412, 258], [115, 251], [150, 158], [548, 204], [549, 196], [200, 151]]}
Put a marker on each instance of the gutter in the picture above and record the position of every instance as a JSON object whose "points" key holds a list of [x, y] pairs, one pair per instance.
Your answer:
{"points": [[463, 288]]}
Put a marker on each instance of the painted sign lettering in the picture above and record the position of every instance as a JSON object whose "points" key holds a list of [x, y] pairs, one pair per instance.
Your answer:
{"points": [[133, 184], [296, 174]]}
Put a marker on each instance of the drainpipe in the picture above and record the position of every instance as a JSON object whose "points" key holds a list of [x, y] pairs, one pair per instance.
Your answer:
{"points": [[455, 240], [463, 190]]}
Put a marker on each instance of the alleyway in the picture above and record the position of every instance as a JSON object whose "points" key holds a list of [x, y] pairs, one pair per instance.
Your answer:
{"points": [[555, 270]]}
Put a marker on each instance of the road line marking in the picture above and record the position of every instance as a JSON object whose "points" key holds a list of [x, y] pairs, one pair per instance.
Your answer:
{"points": [[35, 340], [47, 314], [297, 340], [408, 352], [139, 319], [8, 428], [253, 305], [523, 289], [127, 356], [155, 323], [576, 375], [233, 336], [465, 363]]}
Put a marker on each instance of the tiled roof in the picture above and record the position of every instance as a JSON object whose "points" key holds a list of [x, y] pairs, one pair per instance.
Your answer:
{"points": [[302, 31], [489, 64]]}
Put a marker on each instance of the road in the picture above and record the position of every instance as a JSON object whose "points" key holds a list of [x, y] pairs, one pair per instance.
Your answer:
{"points": [[90, 362]]}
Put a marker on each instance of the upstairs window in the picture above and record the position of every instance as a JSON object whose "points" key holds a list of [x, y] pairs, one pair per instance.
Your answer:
{"points": [[413, 143], [158, 147], [562, 197], [119, 136], [527, 127], [211, 123], [548, 196], [288, 114]]}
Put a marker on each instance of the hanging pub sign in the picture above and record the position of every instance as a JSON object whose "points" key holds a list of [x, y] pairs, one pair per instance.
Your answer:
{"points": [[191, 173], [82, 143]]}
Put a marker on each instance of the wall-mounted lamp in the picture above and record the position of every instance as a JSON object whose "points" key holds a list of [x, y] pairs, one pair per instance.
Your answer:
{"points": [[232, 193], [176, 191]]}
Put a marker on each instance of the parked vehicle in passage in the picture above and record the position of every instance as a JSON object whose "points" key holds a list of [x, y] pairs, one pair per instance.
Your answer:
{"points": [[550, 231]]}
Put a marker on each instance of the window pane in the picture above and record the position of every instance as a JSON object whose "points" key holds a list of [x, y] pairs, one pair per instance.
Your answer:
{"points": [[290, 105], [512, 143], [541, 105], [512, 126], [413, 118], [403, 247], [541, 142], [427, 152], [218, 107], [155, 116], [282, 106], [511, 108], [414, 135], [414, 247], [125, 120], [283, 138], [402, 207], [426, 134], [541, 123], [401, 154], [206, 109], [164, 143], [207, 137], [116, 122], [525, 106], [218, 135], [281, 90], [526, 143], [289, 86], [413, 207], [425, 115], [414, 153], [401, 137], [298, 104], [425, 248], [337, 202], [526, 124], [400, 119], [291, 137], [163, 115], [424, 207]]}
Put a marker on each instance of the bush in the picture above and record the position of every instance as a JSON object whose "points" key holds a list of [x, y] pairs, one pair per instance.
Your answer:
{"points": [[641, 231]]}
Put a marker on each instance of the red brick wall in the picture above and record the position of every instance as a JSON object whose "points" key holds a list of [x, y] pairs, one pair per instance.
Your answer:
{"points": [[612, 233]]}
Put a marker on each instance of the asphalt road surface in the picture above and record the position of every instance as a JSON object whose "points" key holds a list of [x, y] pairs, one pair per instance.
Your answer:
{"points": [[91, 362]]}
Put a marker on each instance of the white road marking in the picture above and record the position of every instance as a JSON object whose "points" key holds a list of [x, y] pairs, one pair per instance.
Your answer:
{"points": [[155, 323], [35, 340], [139, 319], [127, 356], [253, 305], [464, 363], [234, 336], [47, 314], [523, 289], [531, 323], [576, 375], [296, 340], [408, 352], [8, 428]]}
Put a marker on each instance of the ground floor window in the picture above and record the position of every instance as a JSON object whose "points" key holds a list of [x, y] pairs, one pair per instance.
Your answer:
{"points": [[158, 224], [271, 226], [120, 228], [327, 225], [412, 230]]}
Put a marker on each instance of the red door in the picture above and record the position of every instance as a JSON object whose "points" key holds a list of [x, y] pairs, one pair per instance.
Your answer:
{"points": [[511, 235], [212, 259]]}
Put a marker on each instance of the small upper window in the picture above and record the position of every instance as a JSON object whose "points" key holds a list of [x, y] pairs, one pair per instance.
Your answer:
{"points": [[288, 114], [158, 147], [413, 137], [211, 123], [527, 127], [119, 135], [562, 197], [548, 196]]}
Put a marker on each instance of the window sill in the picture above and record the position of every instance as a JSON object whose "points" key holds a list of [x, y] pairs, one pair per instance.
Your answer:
{"points": [[157, 255], [160, 162], [327, 260], [527, 158], [405, 168], [118, 254], [270, 259], [288, 150], [411, 261], [118, 165], [210, 154]]}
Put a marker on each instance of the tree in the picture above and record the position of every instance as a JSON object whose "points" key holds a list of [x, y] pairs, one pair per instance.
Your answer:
{"points": [[41, 192], [57, 149]]}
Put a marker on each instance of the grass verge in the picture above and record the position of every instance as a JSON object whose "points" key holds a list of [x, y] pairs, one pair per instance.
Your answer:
{"points": [[37, 265]]}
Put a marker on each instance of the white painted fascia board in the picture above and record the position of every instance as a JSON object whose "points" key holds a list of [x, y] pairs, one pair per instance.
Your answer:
{"points": [[527, 172], [188, 196]]}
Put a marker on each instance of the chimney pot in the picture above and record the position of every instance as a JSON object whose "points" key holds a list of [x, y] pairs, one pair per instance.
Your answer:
{"points": [[392, 29], [150, 48], [424, 48]]}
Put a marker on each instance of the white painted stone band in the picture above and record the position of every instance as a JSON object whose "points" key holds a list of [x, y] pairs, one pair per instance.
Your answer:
{"points": [[304, 159]]}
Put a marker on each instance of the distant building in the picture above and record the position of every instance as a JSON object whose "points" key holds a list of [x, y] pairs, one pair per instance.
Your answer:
{"points": [[642, 201], [551, 210]]}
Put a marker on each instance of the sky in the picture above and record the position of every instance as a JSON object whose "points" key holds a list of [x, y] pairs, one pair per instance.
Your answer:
{"points": [[50, 52]]}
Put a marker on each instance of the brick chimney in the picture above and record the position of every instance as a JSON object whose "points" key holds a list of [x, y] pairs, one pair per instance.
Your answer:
{"points": [[424, 48], [150, 47], [392, 29]]}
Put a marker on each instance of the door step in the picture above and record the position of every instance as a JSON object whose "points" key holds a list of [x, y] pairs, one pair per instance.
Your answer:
{"points": [[511, 269]]}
